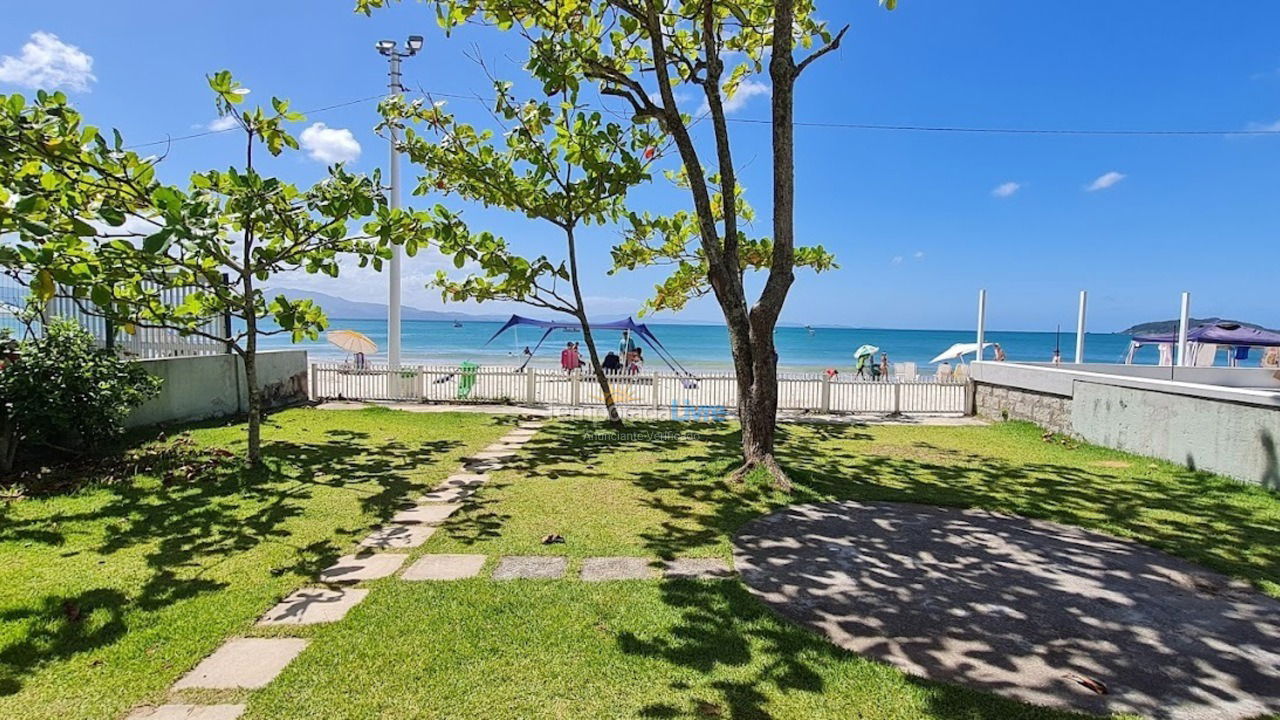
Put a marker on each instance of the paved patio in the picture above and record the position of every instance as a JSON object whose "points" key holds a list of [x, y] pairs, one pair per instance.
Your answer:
{"points": [[1038, 611]]}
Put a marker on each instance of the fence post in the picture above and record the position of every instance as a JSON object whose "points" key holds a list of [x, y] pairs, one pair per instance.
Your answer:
{"points": [[657, 383], [897, 398], [575, 390], [422, 384], [315, 382], [531, 385], [826, 393]]}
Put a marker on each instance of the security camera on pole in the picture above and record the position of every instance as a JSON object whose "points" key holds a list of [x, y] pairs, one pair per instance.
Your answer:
{"points": [[388, 48]]}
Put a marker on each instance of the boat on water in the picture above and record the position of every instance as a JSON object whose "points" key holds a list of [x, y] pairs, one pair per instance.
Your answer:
{"points": [[457, 324]]}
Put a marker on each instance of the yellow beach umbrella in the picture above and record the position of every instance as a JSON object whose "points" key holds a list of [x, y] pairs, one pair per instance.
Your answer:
{"points": [[352, 341]]}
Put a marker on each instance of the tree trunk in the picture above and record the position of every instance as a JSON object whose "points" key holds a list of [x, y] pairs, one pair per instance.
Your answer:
{"points": [[255, 399], [606, 391]]}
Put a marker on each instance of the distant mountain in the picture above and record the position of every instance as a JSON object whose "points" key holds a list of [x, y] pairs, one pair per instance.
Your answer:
{"points": [[341, 309], [1165, 327]]}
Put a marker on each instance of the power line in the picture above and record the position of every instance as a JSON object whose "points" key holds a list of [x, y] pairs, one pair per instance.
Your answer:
{"points": [[954, 129], [1014, 131], [207, 133]]}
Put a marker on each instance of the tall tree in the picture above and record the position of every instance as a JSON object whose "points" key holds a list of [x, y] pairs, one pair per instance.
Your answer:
{"points": [[554, 162], [236, 223], [643, 51]]}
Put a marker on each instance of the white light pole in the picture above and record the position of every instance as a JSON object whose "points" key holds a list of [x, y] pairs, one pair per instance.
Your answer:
{"points": [[394, 55], [1084, 304], [1184, 320], [982, 321]]}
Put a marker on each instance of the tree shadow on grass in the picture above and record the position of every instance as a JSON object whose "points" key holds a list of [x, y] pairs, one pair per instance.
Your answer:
{"points": [[190, 526], [1204, 518]]}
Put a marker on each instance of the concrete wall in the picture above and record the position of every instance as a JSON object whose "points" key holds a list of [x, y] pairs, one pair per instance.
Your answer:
{"points": [[998, 402], [1228, 429], [210, 386], [1231, 439]]}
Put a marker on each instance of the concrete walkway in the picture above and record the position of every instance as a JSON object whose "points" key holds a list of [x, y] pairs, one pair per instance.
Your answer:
{"points": [[1041, 612]]}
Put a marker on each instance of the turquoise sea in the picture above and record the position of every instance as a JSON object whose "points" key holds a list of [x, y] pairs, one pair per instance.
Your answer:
{"points": [[705, 347]]}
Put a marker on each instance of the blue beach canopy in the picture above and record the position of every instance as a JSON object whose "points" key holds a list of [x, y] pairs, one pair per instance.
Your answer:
{"points": [[1217, 334], [636, 329]]}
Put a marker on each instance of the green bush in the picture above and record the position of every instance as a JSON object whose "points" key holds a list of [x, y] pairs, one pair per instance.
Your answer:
{"points": [[65, 394]]}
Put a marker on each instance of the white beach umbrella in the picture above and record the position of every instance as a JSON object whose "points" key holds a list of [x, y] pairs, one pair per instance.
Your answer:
{"points": [[866, 350], [958, 351], [352, 341]]}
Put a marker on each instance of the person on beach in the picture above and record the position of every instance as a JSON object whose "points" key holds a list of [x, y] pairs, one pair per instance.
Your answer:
{"points": [[1000, 356], [636, 363], [575, 356], [944, 372], [884, 366], [612, 363], [566, 358], [860, 369]]}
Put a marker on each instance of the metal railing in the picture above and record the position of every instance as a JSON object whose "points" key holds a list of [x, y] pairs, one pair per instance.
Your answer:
{"points": [[814, 392], [141, 343]]}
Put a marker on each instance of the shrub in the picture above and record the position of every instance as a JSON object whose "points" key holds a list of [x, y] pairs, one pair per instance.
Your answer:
{"points": [[63, 393]]}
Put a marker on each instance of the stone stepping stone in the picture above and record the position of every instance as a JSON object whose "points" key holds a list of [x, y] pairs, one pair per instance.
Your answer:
{"points": [[444, 567], [530, 425], [482, 464], [243, 663], [491, 453], [398, 536], [426, 514], [517, 437], [698, 568], [309, 606], [357, 568], [531, 567], [596, 569], [188, 712], [467, 480], [448, 495]]}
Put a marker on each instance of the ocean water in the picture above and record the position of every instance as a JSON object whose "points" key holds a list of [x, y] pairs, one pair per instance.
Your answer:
{"points": [[706, 347]]}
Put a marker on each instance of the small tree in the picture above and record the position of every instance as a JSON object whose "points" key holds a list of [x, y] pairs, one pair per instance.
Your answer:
{"points": [[234, 222], [556, 163], [644, 52], [64, 393]]}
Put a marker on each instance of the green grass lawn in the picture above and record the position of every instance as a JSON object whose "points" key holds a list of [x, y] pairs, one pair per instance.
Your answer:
{"points": [[164, 573], [110, 593], [689, 649]]}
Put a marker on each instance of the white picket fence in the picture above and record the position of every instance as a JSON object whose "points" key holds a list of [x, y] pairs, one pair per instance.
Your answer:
{"points": [[449, 383]]}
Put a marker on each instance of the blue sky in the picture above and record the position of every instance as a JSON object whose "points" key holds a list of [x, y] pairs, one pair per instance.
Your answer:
{"points": [[914, 218]]}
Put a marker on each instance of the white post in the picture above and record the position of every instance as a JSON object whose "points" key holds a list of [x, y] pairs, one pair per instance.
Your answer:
{"points": [[393, 285], [982, 321], [531, 385], [1084, 302], [825, 402], [1184, 319]]}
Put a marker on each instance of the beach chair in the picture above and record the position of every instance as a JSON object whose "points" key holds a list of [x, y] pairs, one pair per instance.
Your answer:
{"points": [[468, 379], [905, 371], [960, 374]]}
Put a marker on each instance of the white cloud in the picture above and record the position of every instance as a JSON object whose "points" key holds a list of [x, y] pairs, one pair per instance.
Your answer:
{"points": [[330, 145], [1105, 181], [1004, 190], [897, 260], [919, 255], [47, 62], [747, 89], [225, 122], [1265, 127]]}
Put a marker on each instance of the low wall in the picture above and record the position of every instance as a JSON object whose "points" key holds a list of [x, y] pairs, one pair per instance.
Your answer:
{"points": [[1232, 429], [998, 402], [210, 386]]}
